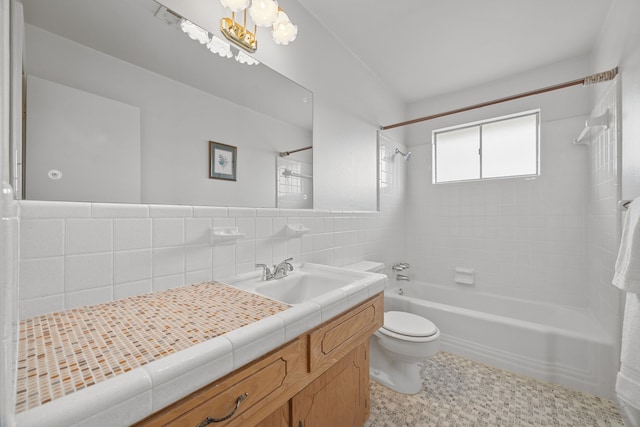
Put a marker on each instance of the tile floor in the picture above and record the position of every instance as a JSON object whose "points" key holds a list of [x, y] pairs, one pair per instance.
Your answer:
{"points": [[463, 393]]}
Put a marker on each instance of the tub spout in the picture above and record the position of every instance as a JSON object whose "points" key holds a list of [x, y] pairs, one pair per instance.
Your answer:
{"points": [[399, 266], [402, 277]]}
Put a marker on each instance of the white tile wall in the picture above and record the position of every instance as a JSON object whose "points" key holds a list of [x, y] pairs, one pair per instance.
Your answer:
{"points": [[9, 239], [131, 233], [83, 236], [84, 253], [524, 238], [42, 238], [604, 219]]}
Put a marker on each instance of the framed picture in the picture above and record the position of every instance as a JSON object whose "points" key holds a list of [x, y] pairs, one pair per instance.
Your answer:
{"points": [[222, 161]]}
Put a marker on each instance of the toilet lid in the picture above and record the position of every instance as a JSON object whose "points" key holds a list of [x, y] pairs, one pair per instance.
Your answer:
{"points": [[408, 324]]}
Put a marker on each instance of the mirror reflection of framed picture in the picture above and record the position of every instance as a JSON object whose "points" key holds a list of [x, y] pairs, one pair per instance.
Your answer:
{"points": [[222, 161]]}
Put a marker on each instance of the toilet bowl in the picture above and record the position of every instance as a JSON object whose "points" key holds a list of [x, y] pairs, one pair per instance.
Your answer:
{"points": [[400, 346]]}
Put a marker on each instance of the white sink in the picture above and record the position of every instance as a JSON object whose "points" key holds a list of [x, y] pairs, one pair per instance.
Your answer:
{"points": [[300, 287], [306, 282]]}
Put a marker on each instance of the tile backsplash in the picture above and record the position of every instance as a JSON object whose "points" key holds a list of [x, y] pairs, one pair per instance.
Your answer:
{"points": [[75, 254], [604, 218]]}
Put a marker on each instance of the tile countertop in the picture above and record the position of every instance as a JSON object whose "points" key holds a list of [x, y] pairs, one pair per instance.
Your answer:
{"points": [[114, 364]]}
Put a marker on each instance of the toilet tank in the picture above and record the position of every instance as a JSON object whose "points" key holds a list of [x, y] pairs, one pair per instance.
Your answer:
{"points": [[367, 266]]}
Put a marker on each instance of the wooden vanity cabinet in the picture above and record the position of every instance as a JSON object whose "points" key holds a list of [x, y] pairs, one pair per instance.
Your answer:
{"points": [[280, 418], [319, 379], [337, 398], [266, 382]]}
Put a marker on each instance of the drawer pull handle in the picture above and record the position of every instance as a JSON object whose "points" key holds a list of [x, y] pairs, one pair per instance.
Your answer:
{"points": [[210, 420]]}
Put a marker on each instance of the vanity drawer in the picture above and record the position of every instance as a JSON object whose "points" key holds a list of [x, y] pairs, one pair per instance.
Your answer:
{"points": [[261, 388], [332, 341]]}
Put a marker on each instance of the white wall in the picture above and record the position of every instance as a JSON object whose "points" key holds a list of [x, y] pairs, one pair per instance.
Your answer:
{"points": [[174, 135], [524, 238], [9, 229], [619, 45], [96, 159], [603, 216], [392, 198]]}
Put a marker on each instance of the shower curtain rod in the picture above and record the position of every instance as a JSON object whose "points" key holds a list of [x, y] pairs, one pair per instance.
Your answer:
{"points": [[585, 81], [287, 153]]}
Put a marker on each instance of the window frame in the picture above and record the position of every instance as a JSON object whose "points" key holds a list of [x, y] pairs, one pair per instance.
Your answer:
{"points": [[479, 124]]}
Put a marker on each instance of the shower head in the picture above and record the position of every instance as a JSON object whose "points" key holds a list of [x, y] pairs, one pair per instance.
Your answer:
{"points": [[406, 156]]}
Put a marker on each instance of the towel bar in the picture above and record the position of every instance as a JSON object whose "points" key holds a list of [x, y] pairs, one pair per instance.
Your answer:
{"points": [[623, 205]]}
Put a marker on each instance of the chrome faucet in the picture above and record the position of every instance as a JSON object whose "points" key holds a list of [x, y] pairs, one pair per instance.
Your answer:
{"points": [[399, 266], [402, 277], [279, 271], [282, 270], [266, 273]]}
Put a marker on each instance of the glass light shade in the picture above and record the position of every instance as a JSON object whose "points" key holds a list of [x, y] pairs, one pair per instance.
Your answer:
{"points": [[219, 46], [194, 32], [235, 5], [284, 32], [243, 58], [264, 12]]}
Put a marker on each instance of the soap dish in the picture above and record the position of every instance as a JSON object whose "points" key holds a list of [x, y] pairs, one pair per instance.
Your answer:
{"points": [[225, 235], [294, 230]]}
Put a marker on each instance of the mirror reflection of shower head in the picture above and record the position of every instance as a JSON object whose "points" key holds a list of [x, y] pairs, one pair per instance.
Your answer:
{"points": [[406, 156]]}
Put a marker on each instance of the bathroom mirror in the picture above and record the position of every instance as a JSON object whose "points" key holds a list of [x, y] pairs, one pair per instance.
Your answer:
{"points": [[121, 106]]}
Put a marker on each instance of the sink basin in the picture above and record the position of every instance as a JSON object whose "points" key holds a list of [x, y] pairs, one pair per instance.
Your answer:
{"points": [[298, 288], [306, 282]]}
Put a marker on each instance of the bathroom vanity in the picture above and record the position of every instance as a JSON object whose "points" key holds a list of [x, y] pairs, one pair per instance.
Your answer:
{"points": [[321, 378], [207, 352]]}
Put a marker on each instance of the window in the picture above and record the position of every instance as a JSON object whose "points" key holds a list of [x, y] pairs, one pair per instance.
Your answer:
{"points": [[496, 148]]}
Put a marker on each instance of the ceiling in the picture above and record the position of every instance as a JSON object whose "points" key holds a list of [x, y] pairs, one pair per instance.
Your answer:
{"points": [[426, 48], [418, 48]]}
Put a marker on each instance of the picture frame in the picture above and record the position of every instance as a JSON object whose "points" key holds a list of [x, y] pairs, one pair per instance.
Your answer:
{"points": [[222, 161]]}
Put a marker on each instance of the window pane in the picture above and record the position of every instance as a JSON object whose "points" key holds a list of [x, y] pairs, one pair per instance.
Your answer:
{"points": [[509, 147], [457, 155]]}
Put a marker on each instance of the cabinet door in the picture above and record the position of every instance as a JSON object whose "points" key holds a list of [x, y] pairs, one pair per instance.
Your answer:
{"points": [[280, 418], [337, 398]]}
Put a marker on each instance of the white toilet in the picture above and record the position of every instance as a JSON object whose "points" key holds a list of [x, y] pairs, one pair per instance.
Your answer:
{"points": [[399, 347]]}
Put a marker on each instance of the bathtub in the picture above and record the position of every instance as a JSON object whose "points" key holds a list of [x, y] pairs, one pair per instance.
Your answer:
{"points": [[558, 344]]}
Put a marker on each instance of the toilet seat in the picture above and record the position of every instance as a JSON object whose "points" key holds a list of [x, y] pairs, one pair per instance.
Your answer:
{"points": [[408, 327]]}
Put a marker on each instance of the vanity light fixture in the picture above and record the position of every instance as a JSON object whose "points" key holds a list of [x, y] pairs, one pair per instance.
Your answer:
{"points": [[219, 46], [214, 44], [243, 58], [263, 13], [194, 32], [284, 31]]}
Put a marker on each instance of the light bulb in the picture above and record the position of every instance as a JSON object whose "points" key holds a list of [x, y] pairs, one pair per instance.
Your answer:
{"points": [[284, 32], [235, 5], [219, 46], [194, 32], [243, 58], [264, 12]]}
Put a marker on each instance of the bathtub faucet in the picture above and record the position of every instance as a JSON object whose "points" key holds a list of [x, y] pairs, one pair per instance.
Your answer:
{"points": [[402, 277], [399, 266]]}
